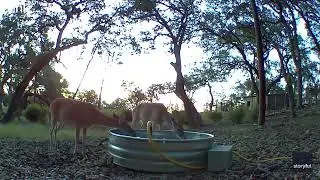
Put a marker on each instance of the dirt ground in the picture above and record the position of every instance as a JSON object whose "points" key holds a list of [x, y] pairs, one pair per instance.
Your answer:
{"points": [[29, 159]]}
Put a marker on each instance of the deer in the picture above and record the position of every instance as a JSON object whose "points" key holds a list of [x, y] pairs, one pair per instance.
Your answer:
{"points": [[156, 113], [80, 115]]}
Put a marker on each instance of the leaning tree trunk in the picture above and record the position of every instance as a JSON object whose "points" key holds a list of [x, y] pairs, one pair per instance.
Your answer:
{"points": [[262, 83], [38, 63], [192, 114], [296, 58], [288, 80], [100, 94], [294, 48], [308, 27], [297, 62], [211, 97]]}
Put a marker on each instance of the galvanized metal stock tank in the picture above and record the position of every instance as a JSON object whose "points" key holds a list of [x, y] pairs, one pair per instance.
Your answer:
{"points": [[136, 152]]}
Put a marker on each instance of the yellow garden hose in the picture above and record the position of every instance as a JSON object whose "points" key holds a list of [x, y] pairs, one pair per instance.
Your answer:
{"points": [[260, 161], [156, 148], [173, 161]]}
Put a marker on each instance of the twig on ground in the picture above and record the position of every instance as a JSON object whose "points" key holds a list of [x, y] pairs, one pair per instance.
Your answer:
{"points": [[102, 141]]}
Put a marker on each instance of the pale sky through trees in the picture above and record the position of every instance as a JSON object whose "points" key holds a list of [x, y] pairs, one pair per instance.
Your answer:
{"points": [[143, 70]]}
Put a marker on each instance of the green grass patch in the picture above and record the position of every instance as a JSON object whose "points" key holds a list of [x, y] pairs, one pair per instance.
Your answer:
{"points": [[41, 132], [28, 131]]}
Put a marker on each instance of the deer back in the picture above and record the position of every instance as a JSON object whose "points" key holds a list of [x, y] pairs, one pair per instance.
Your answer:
{"points": [[155, 112]]}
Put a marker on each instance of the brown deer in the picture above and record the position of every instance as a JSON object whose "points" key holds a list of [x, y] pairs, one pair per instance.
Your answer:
{"points": [[80, 115], [158, 114]]}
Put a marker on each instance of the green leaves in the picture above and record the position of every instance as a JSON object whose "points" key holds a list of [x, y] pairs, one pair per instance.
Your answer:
{"points": [[17, 41], [89, 96], [175, 20]]}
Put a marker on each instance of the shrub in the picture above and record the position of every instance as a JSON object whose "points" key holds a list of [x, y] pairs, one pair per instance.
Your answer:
{"points": [[36, 113], [180, 116], [236, 115], [125, 114], [252, 114], [213, 115]]}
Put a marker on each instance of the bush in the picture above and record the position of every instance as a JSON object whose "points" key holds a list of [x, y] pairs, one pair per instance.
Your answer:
{"points": [[125, 114], [236, 115], [252, 114], [36, 113], [213, 115], [180, 117]]}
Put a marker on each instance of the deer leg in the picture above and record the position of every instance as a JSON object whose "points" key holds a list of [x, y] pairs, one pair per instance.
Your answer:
{"points": [[56, 128], [51, 136], [141, 124], [153, 126], [76, 140], [133, 123]]}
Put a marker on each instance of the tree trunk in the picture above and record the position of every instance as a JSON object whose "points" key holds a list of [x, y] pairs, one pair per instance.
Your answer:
{"points": [[17, 95], [192, 114], [38, 63], [254, 88], [299, 87], [296, 58], [262, 83], [294, 48], [290, 94], [308, 27], [211, 97], [99, 100], [297, 62], [288, 80], [313, 37], [2, 93]]}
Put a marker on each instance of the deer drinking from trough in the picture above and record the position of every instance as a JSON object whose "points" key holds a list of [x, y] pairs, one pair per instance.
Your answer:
{"points": [[80, 115], [156, 113]]}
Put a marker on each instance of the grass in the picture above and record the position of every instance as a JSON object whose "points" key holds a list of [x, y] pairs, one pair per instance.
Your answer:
{"points": [[41, 132]]}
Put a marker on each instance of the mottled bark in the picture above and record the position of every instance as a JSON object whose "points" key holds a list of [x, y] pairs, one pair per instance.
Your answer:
{"points": [[211, 97], [288, 80], [308, 27], [192, 114], [262, 96]]}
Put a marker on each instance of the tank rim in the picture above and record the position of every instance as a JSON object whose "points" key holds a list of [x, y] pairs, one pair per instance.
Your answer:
{"points": [[209, 136]]}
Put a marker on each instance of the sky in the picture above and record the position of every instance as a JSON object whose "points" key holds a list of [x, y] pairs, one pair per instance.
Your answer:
{"points": [[143, 69]]}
